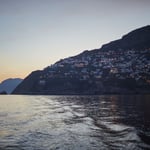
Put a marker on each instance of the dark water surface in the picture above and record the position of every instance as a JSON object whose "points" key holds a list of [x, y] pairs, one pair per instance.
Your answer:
{"points": [[75, 122]]}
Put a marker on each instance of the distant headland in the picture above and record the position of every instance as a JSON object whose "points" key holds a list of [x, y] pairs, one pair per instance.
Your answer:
{"points": [[8, 85]]}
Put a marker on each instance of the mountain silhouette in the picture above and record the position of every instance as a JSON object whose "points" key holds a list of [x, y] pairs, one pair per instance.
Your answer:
{"points": [[119, 67], [9, 85]]}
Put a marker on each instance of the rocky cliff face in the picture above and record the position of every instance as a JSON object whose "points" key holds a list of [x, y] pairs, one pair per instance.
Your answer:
{"points": [[119, 67]]}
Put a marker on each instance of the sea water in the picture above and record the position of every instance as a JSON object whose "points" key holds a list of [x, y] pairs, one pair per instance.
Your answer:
{"points": [[75, 122]]}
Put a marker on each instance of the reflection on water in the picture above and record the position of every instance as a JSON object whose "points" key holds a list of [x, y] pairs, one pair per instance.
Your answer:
{"points": [[74, 122]]}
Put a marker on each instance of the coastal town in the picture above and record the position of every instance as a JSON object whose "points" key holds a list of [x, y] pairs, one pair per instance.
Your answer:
{"points": [[103, 65]]}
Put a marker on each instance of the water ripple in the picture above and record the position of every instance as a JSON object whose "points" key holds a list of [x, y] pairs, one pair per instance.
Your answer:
{"points": [[73, 123]]}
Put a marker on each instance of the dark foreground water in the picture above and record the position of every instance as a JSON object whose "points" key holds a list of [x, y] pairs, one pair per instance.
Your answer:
{"points": [[74, 122]]}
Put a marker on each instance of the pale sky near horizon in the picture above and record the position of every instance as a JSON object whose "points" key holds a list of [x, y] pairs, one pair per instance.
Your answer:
{"points": [[37, 33]]}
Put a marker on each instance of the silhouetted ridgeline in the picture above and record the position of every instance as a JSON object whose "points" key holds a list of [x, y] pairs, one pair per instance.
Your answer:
{"points": [[119, 67], [8, 85]]}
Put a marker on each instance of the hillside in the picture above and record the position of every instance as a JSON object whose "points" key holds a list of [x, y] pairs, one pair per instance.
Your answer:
{"points": [[119, 67], [9, 85]]}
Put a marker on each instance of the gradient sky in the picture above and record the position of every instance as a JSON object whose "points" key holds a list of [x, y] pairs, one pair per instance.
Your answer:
{"points": [[37, 33]]}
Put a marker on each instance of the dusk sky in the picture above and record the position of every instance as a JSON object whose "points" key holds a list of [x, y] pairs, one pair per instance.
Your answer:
{"points": [[37, 33]]}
